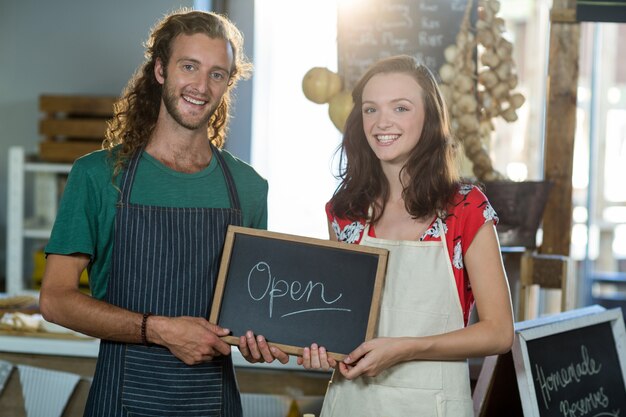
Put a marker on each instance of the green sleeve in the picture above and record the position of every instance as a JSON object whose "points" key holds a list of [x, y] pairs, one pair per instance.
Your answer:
{"points": [[81, 210]]}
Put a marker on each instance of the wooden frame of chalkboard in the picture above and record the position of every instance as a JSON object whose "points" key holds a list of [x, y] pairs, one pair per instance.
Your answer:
{"points": [[298, 290], [572, 362]]}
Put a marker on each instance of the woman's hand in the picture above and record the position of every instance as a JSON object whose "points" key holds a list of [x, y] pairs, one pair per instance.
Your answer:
{"points": [[373, 357], [316, 358]]}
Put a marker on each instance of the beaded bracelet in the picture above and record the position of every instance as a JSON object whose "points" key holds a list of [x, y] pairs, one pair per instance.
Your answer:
{"points": [[144, 322]]}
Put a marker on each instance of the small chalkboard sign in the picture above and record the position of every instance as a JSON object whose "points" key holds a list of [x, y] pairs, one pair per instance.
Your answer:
{"points": [[378, 29], [570, 364], [298, 290]]}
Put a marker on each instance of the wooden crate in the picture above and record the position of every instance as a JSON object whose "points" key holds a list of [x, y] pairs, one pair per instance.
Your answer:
{"points": [[72, 125]]}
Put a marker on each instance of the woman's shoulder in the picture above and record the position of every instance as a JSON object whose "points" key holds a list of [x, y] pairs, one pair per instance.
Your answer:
{"points": [[470, 201]]}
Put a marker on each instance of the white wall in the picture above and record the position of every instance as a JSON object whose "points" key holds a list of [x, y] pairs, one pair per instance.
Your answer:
{"points": [[68, 47], [241, 12]]}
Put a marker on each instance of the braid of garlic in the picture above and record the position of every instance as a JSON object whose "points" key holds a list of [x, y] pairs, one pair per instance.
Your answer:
{"points": [[477, 95]]}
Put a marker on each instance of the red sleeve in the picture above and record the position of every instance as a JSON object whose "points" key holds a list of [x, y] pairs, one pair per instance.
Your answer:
{"points": [[346, 230], [469, 211], [472, 211]]}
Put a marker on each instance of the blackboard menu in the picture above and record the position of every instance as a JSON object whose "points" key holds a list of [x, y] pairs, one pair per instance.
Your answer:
{"points": [[572, 364], [578, 373], [372, 29]]}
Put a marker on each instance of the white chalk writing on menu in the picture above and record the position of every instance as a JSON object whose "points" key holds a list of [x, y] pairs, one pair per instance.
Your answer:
{"points": [[422, 29], [260, 276], [458, 5], [550, 382]]}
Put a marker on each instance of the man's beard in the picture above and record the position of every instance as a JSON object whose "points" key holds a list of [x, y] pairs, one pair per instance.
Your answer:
{"points": [[170, 99]]}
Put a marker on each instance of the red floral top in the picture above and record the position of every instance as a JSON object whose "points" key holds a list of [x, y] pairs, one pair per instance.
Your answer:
{"points": [[469, 210]]}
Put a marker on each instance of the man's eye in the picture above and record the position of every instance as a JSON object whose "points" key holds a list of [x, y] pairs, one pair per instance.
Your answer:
{"points": [[218, 76], [188, 67]]}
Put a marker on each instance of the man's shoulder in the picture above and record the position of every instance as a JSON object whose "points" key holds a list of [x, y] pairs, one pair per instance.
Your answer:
{"points": [[100, 161], [241, 169]]}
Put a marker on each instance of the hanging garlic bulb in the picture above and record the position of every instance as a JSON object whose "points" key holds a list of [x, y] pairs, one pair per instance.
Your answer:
{"points": [[476, 96]]}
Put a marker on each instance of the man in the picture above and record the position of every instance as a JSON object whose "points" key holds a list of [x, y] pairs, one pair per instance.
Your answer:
{"points": [[148, 218]]}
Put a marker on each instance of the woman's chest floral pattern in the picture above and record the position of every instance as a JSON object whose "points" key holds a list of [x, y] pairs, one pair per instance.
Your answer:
{"points": [[469, 211]]}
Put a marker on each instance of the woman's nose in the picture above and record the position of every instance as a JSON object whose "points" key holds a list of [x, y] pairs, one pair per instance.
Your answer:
{"points": [[383, 121]]}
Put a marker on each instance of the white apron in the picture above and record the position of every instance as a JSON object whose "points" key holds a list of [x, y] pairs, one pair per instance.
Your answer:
{"points": [[420, 298]]}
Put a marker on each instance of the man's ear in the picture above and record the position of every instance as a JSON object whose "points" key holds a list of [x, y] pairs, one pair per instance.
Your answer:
{"points": [[159, 71]]}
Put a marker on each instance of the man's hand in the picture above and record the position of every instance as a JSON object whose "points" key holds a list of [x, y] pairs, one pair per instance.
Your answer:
{"points": [[193, 340], [256, 349]]}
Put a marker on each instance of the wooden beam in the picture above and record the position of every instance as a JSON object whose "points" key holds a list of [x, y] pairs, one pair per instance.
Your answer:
{"points": [[560, 131], [90, 105], [74, 128], [563, 16]]}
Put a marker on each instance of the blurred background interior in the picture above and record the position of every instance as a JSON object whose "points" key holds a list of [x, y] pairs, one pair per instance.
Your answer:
{"points": [[91, 48]]}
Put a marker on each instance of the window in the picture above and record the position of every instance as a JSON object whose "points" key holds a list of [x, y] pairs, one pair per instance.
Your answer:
{"points": [[599, 196], [293, 139], [600, 165]]}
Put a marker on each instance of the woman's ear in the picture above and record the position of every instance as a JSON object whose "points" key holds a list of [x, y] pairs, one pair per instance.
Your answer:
{"points": [[159, 71]]}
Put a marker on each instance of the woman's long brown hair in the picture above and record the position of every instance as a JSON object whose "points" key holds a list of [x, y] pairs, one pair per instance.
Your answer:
{"points": [[431, 168], [136, 112]]}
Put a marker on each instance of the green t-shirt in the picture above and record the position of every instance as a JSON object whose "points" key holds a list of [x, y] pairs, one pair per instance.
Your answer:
{"points": [[86, 216]]}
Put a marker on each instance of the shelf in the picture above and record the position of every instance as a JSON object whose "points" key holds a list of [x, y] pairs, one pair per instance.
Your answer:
{"points": [[50, 346], [37, 228], [36, 233], [47, 167], [38, 225], [88, 348]]}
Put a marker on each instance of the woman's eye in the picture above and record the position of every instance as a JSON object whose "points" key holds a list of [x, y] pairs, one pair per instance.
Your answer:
{"points": [[369, 110], [401, 109]]}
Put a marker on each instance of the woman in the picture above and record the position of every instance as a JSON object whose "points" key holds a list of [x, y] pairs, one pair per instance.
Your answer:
{"points": [[400, 190]]}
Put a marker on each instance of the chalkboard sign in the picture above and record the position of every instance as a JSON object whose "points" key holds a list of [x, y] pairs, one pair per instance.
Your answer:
{"points": [[369, 30], [298, 290], [569, 365], [573, 367], [601, 11]]}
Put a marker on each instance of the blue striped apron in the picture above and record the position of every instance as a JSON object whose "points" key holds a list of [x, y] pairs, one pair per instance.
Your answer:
{"points": [[165, 261]]}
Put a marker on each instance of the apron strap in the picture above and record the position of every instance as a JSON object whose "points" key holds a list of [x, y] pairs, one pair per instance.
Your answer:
{"points": [[230, 182], [128, 178]]}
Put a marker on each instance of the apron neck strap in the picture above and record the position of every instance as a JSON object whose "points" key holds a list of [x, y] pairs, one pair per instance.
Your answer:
{"points": [[128, 176], [230, 182]]}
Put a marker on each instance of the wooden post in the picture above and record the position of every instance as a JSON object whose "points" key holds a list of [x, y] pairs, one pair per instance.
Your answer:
{"points": [[550, 268], [548, 272], [560, 126]]}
